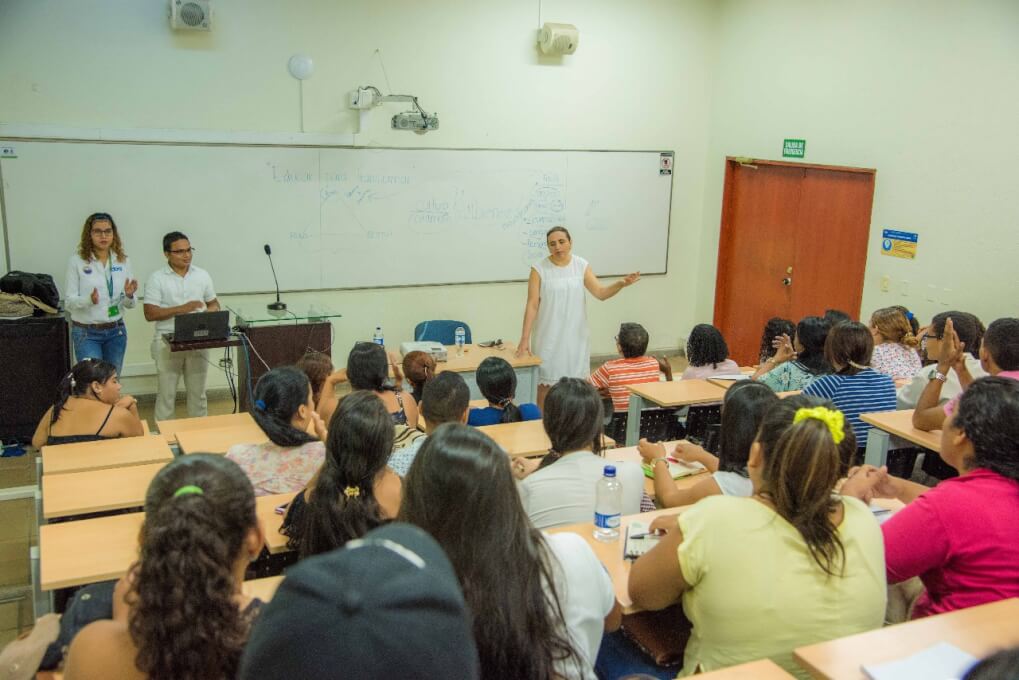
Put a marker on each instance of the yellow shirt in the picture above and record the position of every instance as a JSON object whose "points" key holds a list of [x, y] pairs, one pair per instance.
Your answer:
{"points": [[756, 592]]}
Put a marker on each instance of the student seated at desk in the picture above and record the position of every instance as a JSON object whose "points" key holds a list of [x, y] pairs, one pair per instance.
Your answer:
{"points": [[284, 410], [180, 611], [368, 369], [774, 329], [790, 566], [999, 355], [798, 363], [634, 368], [970, 332], [89, 407], [743, 408], [498, 383], [541, 602], [446, 400], [324, 379], [854, 387], [895, 345], [960, 536], [418, 368], [708, 354], [353, 491], [561, 490]]}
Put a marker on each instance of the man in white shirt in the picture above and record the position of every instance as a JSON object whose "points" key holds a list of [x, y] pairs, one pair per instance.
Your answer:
{"points": [[178, 288]]}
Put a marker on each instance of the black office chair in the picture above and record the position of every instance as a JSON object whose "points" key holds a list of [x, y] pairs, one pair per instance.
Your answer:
{"points": [[442, 331]]}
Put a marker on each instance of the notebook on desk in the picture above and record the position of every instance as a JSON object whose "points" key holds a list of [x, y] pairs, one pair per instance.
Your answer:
{"points": [[201, 326]]}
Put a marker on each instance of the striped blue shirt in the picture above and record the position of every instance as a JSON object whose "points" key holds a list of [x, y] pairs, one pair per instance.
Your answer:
{"points": [[866, 392]]}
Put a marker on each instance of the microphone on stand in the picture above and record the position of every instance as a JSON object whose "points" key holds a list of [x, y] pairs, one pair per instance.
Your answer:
{"points": [[275, 308]]}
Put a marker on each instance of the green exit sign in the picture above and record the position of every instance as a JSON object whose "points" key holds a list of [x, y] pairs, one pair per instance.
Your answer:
{"points": [[794, 148]]}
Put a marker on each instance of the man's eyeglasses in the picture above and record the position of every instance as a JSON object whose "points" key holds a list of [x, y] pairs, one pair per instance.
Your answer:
{"points": [[183, 251]]}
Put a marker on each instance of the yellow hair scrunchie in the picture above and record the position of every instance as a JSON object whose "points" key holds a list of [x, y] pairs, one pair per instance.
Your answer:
{"points": [[352, 492], [834, 420]]}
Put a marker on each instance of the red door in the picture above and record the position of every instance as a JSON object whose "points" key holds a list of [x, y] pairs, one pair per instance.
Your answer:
{"points": [[793, 243]]}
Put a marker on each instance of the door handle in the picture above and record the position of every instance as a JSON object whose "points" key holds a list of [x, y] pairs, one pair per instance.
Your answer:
{"points": [[787, 281]]}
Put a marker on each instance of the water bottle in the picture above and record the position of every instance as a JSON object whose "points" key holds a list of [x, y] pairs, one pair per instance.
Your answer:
{"points": [[377, 336], [461, 336], [608, 497]]}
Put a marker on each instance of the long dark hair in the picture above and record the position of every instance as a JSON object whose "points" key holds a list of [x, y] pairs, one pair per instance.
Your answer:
{"points": [[368, 367], [812, 332], [342, 505], [988, 414], [572, 418], [461, 491], [79, 381], [498, 383], [184, 619], [278, 395], [743, 408], [706, 346], [317, 366], [802, 463], [849, 347], [775, 327]]}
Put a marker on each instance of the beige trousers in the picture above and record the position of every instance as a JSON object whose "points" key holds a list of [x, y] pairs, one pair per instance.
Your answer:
{"points": [[170, 366]]}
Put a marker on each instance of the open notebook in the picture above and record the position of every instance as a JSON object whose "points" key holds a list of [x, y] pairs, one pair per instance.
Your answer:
{"points": [[677, 468], [938, 662], [638, 541]]}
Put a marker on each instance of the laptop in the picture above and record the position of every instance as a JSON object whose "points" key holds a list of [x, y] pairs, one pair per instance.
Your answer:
{"points": [[201, 326]]}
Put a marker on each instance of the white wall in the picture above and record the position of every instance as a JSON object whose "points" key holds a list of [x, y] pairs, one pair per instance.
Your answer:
{"points": [[640, 80], [926, 91]]}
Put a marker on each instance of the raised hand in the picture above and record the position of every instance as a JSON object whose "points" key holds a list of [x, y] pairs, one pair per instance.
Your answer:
{"points": [[784, 351], [319, 426]]}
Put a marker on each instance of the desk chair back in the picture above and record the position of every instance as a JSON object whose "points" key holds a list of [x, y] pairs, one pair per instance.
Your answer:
{"points": [[441, 331]]}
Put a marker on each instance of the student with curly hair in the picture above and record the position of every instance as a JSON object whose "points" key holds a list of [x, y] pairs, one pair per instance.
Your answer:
{"points": [[354, 491], [323, 378], [895, 345], [180, 613], [707, 353], [721, 556], [798, 362], [284, 411], [774, 329], [543, 618]]}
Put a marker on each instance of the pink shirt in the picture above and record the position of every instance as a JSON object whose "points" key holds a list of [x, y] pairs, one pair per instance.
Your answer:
{"points": [[952, 404], [961, 538], [727, 367]]}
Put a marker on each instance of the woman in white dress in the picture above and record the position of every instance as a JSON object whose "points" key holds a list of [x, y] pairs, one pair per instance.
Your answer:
{"points": [[556, 310]]}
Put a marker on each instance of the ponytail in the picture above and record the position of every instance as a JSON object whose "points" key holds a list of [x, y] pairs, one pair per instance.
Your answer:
{"points": [[278, 396], [498, 384], [510, 412], [79, 380], [342, 505], [800, 437], [184, 619]]}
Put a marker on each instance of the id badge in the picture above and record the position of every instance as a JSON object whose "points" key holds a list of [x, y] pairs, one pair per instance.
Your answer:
{"points": [[113, 310]]}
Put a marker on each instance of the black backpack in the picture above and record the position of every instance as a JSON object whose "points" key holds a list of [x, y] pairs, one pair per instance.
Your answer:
{"points": [[39, 286]]}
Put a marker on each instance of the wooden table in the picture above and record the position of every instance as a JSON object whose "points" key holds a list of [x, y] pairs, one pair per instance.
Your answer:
{"points": [[979, 631], [219, 439], [668, 394], [102, 549], [900, 424], [262, 588], [77, 493], [629, 454], [108, 453], [762, 669], [726, 384], [525, 367], [170, 428], [526, 438], [611, 554]]}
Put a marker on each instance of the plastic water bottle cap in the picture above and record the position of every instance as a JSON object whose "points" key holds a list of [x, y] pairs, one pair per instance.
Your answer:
{"points": [[610, 470]]}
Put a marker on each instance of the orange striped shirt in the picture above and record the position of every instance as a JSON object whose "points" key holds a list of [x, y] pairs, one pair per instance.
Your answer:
{"points": [[618, 372]]}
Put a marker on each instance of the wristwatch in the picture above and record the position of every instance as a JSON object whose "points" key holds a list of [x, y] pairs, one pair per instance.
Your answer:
{"points": [[939, 376], [660, 458]]}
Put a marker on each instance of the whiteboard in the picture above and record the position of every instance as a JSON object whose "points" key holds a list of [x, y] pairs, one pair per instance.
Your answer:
{"points": [[338, 217]]}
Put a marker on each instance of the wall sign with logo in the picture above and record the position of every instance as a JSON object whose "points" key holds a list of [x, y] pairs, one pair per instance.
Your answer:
{"points": [[899, 243]]}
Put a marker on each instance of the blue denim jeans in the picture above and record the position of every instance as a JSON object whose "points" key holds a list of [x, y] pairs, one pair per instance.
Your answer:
{"points": [[107, 344]]}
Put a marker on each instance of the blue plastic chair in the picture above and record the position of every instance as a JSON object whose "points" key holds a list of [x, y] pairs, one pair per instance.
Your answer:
{"points": [[441, 331]]}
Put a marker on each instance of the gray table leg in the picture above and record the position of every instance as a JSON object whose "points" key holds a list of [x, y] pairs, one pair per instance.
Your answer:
{"points": [[527, 384], [633, 419], [42, 602], [876, 453]]}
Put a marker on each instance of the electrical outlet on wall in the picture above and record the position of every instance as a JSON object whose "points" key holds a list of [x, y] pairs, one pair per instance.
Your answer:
{"points": [[886, 283], [946, 293], [904, 288], [931, 293]]}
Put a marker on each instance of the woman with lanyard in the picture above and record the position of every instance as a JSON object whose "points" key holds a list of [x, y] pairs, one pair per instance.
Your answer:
{"points": [[99, 286], [556, 311]]}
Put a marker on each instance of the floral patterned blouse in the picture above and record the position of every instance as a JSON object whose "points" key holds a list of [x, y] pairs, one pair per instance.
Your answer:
{"points": [[895, 360], [277, 469]]}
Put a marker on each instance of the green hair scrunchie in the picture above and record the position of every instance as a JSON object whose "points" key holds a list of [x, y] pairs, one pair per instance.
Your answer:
{"points": [[188, 490]]}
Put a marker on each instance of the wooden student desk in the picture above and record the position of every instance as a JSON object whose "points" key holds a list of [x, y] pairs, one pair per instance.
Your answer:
{"points": [[77, 493], [525, 367], [170, 428], [669, 394], [102, 549], [526, 438], [979, 631], [762, 669], [219, 439], [900, 424], [726, 384], [611, 554], [629, 454], [262, 588], [108, 453]]}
